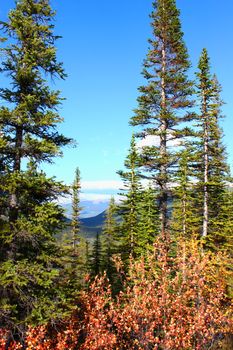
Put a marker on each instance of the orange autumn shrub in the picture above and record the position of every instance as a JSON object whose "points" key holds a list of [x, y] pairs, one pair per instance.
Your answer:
{"points": [[167, 303], [174, 303], [99, 316], [62, 336]]}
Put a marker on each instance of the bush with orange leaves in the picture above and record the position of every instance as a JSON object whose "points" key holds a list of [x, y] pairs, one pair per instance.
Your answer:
{"points": [[167, 303]]}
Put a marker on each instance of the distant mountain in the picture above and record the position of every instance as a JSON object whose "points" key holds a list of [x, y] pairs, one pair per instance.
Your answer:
{"points": [[89, 226], [94, 221], [93, 225], [89, 208]]}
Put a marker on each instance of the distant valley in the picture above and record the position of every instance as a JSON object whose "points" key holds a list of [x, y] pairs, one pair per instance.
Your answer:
{"points": [[89, 208], [92, 217]]}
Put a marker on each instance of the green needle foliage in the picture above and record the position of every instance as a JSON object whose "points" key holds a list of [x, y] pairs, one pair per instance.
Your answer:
{"points": [[138, 211], [110, 241], [213, 171], [74, 247], [30, 260], [129, 207], [76, 209], [185, 221], [96, 256], [148, 222], [165, 100]]}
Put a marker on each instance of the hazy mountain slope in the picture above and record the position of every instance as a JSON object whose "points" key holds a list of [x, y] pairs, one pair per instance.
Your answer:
{"points": [[89, 208]]}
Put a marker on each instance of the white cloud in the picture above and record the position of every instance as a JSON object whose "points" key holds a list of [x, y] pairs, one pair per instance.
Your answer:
{"points": [[92, 197], [64, 199], [96, 186], [101, 185], [97, 197], [149, 140], [154, 140]]}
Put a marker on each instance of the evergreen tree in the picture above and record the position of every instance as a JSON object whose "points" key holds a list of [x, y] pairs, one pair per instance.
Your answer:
{"points": [[74, 246], [109, 241], [213, 171], [138, 211], [214, 197], [75, 223], [185, 221], [30, 261], [164, 101], [95, 256], [148, 222], [205, 95], [219, 173], [221, 237], [87, 257], [129, 207]]}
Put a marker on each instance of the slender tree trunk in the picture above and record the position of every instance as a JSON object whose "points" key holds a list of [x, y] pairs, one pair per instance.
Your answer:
{"points": [[184, 262], [87, 256], [13, 207], [132, 228], [163, 151], [132, 221], [206, 161], [184, 216], [184, 202]]}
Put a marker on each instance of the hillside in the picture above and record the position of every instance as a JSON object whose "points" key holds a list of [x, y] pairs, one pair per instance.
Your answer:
{"points": [[89, 208], [93, 225], [89, 227]]}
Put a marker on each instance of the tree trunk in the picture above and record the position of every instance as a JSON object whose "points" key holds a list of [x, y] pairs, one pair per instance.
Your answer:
{"points": [[184, 216], [163, 152], [13, 205], [206, 160]]}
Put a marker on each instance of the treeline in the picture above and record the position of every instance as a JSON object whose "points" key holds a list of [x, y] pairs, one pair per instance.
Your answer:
{"points": [[159, 275]]}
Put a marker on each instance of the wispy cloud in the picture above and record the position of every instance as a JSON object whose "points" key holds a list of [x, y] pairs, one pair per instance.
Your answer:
{"points": [[98, 197], [149, 140], [154, 140], [91, 197], [101, 185], [95, 191]]}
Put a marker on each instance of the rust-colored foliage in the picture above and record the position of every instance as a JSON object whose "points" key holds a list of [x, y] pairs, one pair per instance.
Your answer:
{"points": [[167, 303], [174, 303]]}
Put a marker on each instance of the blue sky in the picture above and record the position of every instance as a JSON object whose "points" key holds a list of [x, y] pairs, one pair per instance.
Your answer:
{"points": [[103, 46]]}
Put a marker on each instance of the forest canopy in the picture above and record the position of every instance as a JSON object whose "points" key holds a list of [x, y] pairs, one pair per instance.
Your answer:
{"points": [[158, 274]]}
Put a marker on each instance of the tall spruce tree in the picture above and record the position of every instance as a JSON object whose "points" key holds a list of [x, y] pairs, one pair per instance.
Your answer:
{"points": [[213, 171], [222, 226], [87, 258], [165, 100], [148, 226], [205, 96], [138, 210], [185, 221], [74, 247], [129, 207], [109, 239], [219, 176], [76, 209], [96, 256], [29, 217]]}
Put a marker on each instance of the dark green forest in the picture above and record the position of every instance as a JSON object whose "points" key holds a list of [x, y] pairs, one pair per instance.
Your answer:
{"points": [[153, 271]]}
